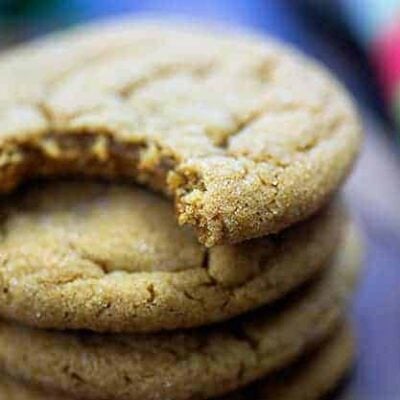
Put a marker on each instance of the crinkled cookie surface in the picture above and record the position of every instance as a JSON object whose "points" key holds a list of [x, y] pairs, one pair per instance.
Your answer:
{"points": [[310, 378], [110, 257], [179, 365], [245, 135]]}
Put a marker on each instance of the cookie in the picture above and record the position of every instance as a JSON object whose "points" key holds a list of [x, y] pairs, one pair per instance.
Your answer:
{"points": [[201, 363], [322, 373], [11, 389], [245, 135], [310, 378], [110, 257]]}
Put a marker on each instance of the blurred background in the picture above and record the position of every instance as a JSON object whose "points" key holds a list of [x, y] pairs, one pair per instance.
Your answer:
{"points": [[360, 41]]}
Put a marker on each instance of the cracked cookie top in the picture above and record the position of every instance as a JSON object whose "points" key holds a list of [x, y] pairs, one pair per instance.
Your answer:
{"points": [[108, 257], [245, 135]]}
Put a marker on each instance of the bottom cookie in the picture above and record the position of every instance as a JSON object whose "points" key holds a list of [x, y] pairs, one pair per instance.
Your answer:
{"points": [[200, 364], [311, 377]]}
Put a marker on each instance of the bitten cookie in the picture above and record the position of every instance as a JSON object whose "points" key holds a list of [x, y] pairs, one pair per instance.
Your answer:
{"points": [[247, 136], [201, 363], [111, 258]]}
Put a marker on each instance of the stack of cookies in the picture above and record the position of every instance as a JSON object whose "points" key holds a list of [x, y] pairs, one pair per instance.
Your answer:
{"points": [[190, 243]]}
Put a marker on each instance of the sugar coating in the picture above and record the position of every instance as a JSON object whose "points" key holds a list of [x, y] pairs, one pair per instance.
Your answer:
{"points": [[245, 135]]}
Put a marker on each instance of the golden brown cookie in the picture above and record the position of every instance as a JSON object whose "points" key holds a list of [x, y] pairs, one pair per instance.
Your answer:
{"points": [[111, 258], [12, 389], [246, 135], [201, 363], [311, 377]]}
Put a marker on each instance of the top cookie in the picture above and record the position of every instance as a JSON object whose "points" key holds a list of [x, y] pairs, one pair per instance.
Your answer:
{"points": [[246, 135]]}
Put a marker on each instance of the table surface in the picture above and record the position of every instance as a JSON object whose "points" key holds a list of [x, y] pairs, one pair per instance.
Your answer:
{"points": [[373, 191]]}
